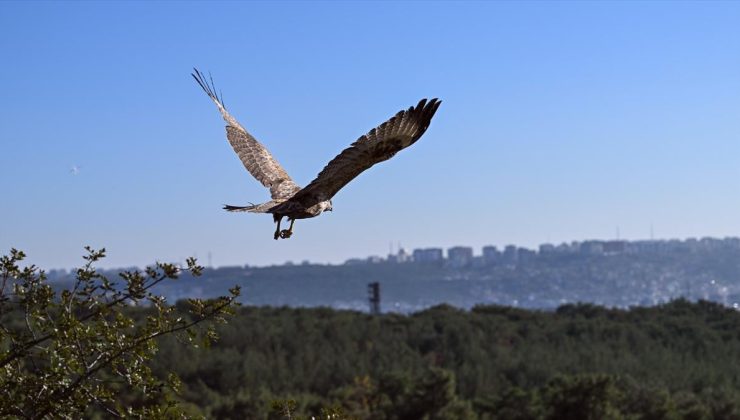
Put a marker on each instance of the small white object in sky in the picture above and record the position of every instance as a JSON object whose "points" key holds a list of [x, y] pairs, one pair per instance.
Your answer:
{"points": [[75, 170]]}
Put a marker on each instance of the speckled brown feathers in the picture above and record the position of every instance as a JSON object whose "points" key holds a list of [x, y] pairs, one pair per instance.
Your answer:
{"points": [[380, 144], [255, 157], [260, 163]]}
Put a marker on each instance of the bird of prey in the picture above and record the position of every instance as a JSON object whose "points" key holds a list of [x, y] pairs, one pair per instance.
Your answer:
{"points": [[293, 202]]}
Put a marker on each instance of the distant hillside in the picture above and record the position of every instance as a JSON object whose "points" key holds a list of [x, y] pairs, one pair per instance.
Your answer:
{"points": [[642, 273]]}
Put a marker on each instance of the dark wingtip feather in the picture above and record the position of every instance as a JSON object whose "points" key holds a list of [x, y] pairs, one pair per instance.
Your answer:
{"points": [[427, 108], [435, 106], [209, 89], [198, 78]]}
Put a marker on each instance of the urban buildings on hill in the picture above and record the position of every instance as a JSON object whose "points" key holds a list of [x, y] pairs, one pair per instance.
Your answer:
{"points": [[464, 256], [610, 273]]}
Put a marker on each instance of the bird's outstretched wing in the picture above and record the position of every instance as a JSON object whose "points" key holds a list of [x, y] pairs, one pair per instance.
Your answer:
{"points": [[255, 157], [380, 144]]}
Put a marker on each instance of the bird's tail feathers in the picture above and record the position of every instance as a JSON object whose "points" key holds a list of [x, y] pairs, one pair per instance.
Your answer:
{"points": [[228, 207], [252, 208]]}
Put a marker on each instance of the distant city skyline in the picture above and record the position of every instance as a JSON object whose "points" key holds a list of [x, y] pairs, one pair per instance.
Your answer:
{"points": [[612, 273], [560, 121], [462, 255], [502, 253]]}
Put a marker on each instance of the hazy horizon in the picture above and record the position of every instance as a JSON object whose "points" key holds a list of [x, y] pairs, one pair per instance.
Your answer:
{"points": [[560, 121], [211, 261]]}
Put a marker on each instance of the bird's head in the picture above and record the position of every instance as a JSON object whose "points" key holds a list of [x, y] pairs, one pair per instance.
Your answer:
{"points": [[326, 205]]}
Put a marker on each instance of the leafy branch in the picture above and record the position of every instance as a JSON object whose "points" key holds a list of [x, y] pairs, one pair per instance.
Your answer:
{"points": [[60, 353]]}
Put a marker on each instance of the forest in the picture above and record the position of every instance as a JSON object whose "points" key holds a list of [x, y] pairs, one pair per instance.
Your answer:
{"points": [[677, 360]]}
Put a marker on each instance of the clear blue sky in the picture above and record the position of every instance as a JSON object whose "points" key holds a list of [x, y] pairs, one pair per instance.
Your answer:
{"points": [[560, 121]]}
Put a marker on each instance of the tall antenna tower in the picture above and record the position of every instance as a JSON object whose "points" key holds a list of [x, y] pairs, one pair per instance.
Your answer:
{"points": [[373, 291]]}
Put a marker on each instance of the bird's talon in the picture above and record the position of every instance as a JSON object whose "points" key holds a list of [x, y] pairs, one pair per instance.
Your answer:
{"points": [[285, 234]]}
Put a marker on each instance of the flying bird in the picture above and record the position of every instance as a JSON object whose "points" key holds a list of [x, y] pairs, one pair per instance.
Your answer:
{"points": [[293, 202]]}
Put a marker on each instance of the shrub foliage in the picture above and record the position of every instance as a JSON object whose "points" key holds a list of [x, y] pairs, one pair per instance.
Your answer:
{"points": [[64, 354]]}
